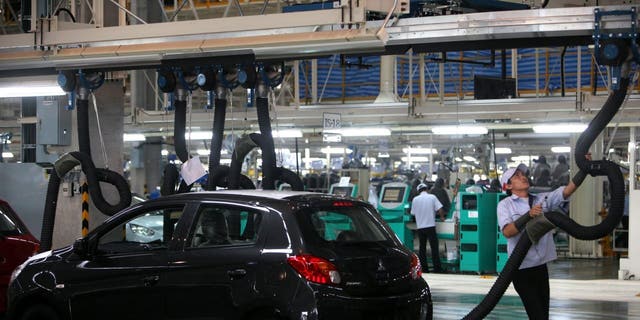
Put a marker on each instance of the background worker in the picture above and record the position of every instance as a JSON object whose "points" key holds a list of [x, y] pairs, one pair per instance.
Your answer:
{"points": [[424, 207], [531, 281]]}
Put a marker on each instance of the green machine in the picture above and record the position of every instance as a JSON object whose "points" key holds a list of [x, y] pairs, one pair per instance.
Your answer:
{"points": [[501, 242], [393, 203], [478, 220], [349, 190]]}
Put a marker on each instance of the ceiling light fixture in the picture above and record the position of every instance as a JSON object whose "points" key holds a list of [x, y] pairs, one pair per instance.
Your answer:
{"points": [[198, 135], [458, 130], [7, 155], [560, 149], [503, 150], [415, 159], [30, 87], [560, 128], [132, 137], [331, 150], [361, 132], [419, 150], [383, 155], [287, 133]]}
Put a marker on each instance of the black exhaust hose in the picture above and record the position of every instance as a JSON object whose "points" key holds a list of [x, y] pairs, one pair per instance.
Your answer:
{"points": [[504, 279], [179, 124], [49, 216], [601, 167], [169, 178], [258, 140], [290, 177], [269, 170], [598, 168], [244, 145], [84, 141], [95, 176], [105, 175], [220, 112], [221, 175]]}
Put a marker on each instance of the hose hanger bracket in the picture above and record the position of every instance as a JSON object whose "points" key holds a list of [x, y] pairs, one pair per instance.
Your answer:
{"points": [[614, 47]]}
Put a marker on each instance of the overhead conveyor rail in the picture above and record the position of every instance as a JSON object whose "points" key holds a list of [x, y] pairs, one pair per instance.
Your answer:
{"points": [[293, 36]]}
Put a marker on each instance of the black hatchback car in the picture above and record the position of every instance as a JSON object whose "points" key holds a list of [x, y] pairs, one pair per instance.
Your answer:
{"points": [[245, 254]]}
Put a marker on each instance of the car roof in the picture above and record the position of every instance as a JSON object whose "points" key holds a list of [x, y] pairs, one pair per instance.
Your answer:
{"points": [[247, 195]]}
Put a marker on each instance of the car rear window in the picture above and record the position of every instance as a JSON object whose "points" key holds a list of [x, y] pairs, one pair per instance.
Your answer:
{"points": [[344, 224], [8, 227]]}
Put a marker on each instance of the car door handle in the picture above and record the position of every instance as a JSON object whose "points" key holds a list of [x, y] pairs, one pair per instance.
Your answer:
{"points": [[237, 273], [150, 280]]}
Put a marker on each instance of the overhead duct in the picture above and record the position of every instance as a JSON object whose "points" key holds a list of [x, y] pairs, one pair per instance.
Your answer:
{"points": [[387, 80]]}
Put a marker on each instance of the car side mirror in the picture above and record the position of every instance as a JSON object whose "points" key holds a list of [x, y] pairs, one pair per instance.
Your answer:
{"points": [[81, 247]]}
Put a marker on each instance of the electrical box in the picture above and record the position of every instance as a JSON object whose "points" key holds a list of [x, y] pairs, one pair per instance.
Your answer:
{"points": [[54, 121]]}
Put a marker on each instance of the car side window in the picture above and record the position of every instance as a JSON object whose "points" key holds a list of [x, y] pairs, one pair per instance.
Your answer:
{"points": [[148, 230], [223, 226]]}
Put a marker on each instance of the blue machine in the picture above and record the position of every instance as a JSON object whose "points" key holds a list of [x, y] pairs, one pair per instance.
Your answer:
{"points": [[350, 190], [393, 203]]}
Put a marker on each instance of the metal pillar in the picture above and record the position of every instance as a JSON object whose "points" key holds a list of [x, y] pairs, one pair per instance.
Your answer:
{"points": [[387, 80], [631, 265]]}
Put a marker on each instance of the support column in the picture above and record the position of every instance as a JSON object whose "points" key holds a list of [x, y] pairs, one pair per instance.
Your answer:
{"points": [[631, 265], [151, 153], [143, 93]]}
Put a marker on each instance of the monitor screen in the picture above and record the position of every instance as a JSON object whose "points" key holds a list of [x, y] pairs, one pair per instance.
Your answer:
{"points": [[393, 194], [343, 191]]}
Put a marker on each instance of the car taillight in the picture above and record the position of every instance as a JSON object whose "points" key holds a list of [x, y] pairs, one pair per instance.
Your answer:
{"points": [[343, 204], [36, 248], [315, 269], [416, 268]]}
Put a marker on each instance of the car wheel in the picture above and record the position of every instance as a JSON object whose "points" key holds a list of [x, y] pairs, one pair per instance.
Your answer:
{"points": [[40, 312]]}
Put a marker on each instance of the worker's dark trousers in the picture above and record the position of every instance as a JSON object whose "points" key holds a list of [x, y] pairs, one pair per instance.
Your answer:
{"points": [[425, 234], [532, 284]]}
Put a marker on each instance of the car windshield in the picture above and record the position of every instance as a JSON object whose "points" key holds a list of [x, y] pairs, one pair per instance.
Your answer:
{"points": [[345, 223]]}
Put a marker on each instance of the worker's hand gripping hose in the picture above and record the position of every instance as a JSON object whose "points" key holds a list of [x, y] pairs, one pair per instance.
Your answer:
{"points": [[536, 228]]}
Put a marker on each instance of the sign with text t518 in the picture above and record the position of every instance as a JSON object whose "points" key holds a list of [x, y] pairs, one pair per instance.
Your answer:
{"points": [[331, 124], [331, 121]]}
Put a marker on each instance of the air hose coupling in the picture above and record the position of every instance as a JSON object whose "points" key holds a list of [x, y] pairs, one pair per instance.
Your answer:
{"points": [[538, 227], [65, 164]]}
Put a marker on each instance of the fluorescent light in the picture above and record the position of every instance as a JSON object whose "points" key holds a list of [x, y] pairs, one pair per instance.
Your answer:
{"points": [[361, 132], [330, 150], [287, 133], [454, 130], [199, 135], [30, 87], [419, 150], [415, 159], [560, 128], [503, 150], [7, 155], [560, 149], [383, 155], [523, 158], [469, 158], [164, 152], [133, 137], [205, 152]]}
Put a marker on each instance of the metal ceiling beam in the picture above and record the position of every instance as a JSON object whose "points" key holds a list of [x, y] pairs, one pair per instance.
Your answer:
{"points": [[296, 35]]}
